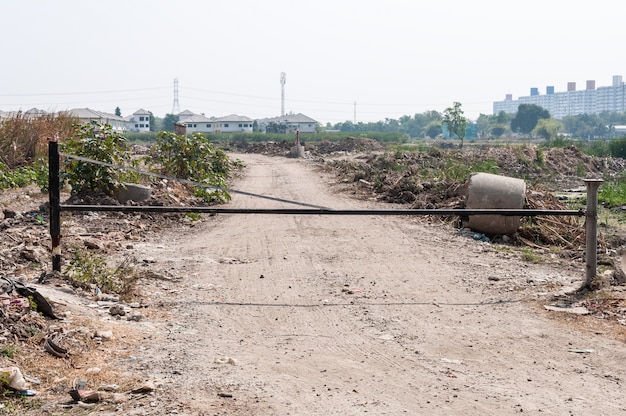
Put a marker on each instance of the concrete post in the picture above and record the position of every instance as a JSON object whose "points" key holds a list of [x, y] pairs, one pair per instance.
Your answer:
{"points": [[591, 230]]}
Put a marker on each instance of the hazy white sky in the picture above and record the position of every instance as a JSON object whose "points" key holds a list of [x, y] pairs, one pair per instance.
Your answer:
{"points": [[391, 57]]}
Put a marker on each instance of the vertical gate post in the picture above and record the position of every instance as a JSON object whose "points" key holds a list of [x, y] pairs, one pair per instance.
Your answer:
{"points": [[591, 230], [54, 193]]}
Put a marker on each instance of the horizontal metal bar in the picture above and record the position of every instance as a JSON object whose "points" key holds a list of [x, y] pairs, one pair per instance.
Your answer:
{"points": [[323, 211]]}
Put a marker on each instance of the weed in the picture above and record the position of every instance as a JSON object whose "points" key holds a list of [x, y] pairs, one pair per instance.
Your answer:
{"points": [[541, 158], [193, 216], [87, 269], [487, 166], [18, 405], [8, 351], [530, 255], [613, 194]]}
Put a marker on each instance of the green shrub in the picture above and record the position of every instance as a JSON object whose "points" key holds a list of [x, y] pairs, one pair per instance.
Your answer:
{"points": [[613, 193], [617, 147], [195, 158], [97, 142]]}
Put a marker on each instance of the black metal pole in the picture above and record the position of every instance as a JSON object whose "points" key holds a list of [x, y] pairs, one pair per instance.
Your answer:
{"points": [[54, 192]]}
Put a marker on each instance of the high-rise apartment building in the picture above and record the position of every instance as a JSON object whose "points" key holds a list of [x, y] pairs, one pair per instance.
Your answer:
{"points": [[591, 100]]}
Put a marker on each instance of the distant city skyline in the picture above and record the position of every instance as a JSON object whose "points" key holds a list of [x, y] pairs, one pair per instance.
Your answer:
{"points": [[591, 99], [401, 59]]}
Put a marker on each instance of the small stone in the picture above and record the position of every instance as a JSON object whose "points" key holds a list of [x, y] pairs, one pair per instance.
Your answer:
{"points": [[117, 310], [105, 335], [136, 317], [146, 387]]}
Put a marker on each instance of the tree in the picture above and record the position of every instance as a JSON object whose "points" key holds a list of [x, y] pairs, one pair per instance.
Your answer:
{"points": [[455, 121], [433, 129], [152, 122], [587, 126], [273, 127], [169, 121], [118, 112], [527, 117], [548, 128], [498, 130]]}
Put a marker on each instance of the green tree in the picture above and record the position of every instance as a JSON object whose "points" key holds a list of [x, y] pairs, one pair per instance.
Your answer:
{"points": [[498, 130], [527, 117], [118, 112], [455, 121], [169, 121], [278, 128], [152, 122], [587, 126], [433, 129], [548, 128]]}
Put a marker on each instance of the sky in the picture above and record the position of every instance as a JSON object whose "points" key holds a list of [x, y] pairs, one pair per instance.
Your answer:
{"points": [[344, 60]]}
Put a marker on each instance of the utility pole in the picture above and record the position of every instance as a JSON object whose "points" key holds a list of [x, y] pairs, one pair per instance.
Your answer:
{"points": [[355, 112], [283, 81], [176, 106]]}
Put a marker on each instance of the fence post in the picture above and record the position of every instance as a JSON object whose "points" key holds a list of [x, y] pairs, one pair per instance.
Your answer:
{"points": [[54, 193], [591, 230]]}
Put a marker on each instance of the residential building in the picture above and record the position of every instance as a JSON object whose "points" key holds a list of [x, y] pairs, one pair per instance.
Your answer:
{"points": [[292, 122], [198, 123], [185, 114], [591, 100], [89, 116], [139, 121], [29, 114], [233, 123]]}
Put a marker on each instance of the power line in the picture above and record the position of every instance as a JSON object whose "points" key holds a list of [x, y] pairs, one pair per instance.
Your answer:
{"points": [[79, 93]]}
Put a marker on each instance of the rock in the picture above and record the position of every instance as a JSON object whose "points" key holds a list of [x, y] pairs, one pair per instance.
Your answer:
{"points": [[92, 244], [117, 310], [105, 335], [146, 387], [135, 317]]}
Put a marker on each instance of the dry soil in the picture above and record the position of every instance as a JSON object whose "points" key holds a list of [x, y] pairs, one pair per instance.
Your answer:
{"points": [[352, 315]]}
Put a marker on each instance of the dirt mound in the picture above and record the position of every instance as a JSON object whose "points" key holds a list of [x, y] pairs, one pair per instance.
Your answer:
{"points": [[349, 144], [264, 148]]}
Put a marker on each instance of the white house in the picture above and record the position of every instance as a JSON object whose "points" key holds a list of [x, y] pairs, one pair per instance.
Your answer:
{"points": [[139, 121], [197, 123], [89, 116], [292, 122], [185, 114], [233, 123], [29, 114]]}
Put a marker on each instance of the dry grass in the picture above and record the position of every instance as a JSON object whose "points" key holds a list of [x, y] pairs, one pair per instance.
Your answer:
{"points": [[23, 139]]}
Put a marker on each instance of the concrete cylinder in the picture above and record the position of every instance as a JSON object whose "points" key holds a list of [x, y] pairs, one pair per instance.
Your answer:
{"points": [[297, 151], [489, 191], [133, 192]]}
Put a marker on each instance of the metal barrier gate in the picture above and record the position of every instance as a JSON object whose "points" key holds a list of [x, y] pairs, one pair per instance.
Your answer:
{"points": [[590, 213]]}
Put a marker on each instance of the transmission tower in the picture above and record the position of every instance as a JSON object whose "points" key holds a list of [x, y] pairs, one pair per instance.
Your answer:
{"points": [[283, 81], [176, 106]]}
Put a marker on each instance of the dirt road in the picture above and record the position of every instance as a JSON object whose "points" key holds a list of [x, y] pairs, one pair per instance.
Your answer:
{"points": [[351, 315]]}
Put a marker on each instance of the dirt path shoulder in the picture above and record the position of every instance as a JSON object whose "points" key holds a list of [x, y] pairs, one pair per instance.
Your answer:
{"points": [[348, 315]]}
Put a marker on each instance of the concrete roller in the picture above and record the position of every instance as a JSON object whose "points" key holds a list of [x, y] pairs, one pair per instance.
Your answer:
{"points": [[489, 191]]}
